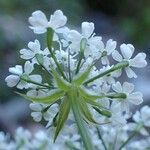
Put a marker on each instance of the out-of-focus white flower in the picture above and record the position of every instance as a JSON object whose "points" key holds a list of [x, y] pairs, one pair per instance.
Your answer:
{"points": [[22, 138], [5, 143], [103, 90], [143, 144], [131, 97], [117, 117], [143, 116], [127, 51], [40, 23]]}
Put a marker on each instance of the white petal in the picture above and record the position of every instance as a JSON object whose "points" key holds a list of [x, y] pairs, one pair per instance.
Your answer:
{"points": [[136, 98], [26, 54], [36, 78], [38, 19], [12, 80], [34, 46], [138, 61], [128, 87], [32, 93], [87, 29], [125, 106], [36, 107], [130, 73], [105, 60], [74, 36], [16, 70], [117, 87], [105, 88], [127, 50], [116, 56], [23, 85], [57, 19], [95, 40], [37, 116], [117, 73], [110, 46], [137, 117], [28, 67], [38, 30]]}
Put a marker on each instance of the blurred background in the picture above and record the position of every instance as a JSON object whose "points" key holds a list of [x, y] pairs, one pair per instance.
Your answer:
{"points": [[126, 21]]}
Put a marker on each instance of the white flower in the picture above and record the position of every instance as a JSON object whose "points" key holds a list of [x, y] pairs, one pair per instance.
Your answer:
{"points": [[143, 116], [143, 144], [110, 47], [50, 114], [18, 72], [40, 23], [37, 114], [35, 92], [22, 136], [34, 48], [109, 78], [117, 117], [127, 51], [93, 42], [131, 97], [103, 90]]}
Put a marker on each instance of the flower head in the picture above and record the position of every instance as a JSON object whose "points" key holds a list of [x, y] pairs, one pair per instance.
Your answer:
{"points": [[127, 51], [40, 23]]}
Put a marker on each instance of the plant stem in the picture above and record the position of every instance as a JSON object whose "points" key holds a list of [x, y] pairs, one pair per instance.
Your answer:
{"points": [[50, 33], [114, 68], [136, 131], [79, 121], [81, 53], [36, 83], [99, 135], [71, 146], [69, 71]]}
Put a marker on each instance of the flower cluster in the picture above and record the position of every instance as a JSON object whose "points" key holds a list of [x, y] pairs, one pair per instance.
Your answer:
{"points": [[73, 80], [24, 140], [70, 138]]}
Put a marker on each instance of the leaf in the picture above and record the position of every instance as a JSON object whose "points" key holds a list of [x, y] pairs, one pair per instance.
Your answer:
{"points": [[86, 112], [79, 79], [50, 99], [63, 115], [87, 95], [61, 83]]}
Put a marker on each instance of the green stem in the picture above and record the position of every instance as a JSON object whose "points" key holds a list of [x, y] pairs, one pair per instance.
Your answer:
{"points": [[118, 66], [50, 33], [136, 131], [100, 136], [69, 71], [81, 53], [71, 146], [79, 62], [79, 120], [104, 53], [36, 83]]}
